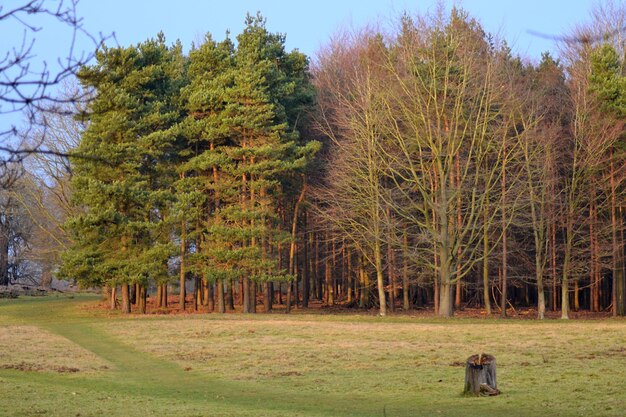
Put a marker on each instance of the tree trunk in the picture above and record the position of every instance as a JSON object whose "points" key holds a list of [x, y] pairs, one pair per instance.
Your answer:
{"points": [[221, 305], [566, 267], [312, 267], [142, 297], [364, 284], [182, 280], [405, 273], [253, 296], [619, 282], [288, 300], [541, 301], [333, 272], [294, 225], [4, 254], [620, 260], [296, 295], [230, 295], [208, 294], [113, 297], [350, 283], [503, 298], [436, 281], [196, 289], [46, 275], [486, 295], [159, 296], [445, 283], [328, 290], [380, 279], [320, 284], [306, 283], [459, 223], [133, 294], [267, 297], [391, 278], [445, 300], [480, 375], [553, 256], [246, 295], [125, 299]]}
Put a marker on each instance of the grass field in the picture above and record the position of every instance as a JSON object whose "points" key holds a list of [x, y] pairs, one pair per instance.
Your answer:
{"points": [[62, 357]]}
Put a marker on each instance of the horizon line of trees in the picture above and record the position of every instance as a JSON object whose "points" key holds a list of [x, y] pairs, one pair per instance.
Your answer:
{"points": [[427, 166]]}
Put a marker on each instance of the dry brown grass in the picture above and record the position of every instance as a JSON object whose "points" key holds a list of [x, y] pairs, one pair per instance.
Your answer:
{"points": [[30, 348], [358, 356], [303, 364]]}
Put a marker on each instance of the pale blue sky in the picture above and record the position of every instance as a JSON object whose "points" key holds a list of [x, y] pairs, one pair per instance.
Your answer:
{"points": [[309, 24]]}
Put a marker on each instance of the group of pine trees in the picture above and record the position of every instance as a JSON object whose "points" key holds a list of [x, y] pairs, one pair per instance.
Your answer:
{"points": [[194, 159], [428, 166]]}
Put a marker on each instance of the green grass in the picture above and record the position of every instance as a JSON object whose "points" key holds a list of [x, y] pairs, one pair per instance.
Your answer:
{"points": [[62, 357]]}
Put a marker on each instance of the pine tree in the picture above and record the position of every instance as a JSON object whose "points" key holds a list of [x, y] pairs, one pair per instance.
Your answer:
{"points": [[241, 102], [123, 177]]}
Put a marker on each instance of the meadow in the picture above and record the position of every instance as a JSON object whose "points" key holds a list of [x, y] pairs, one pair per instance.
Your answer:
{"points": [[64, 356]]}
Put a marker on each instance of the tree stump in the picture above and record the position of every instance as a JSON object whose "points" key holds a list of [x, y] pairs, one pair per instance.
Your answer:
{"points": [[480, 375]]}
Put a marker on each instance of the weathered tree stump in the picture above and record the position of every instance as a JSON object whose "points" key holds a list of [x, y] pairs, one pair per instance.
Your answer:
{"points": [[480, 375]]}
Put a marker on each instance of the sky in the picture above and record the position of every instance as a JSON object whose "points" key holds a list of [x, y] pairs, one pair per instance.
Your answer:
{"points": [[308, 25]]}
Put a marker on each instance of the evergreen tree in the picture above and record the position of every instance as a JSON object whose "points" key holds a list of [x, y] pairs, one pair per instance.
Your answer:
{"points": [[243, 107], [123, 177]]}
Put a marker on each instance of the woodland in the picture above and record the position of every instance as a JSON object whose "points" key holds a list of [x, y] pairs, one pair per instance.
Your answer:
{"points": [[423, 165]]}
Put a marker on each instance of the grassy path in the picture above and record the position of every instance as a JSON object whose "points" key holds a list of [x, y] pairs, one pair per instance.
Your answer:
{"points": [[138, 383], [303, 365]]}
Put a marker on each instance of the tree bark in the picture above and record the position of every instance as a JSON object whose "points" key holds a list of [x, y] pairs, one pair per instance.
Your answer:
{"points": [[553, 261], [305, 266], [380, 279], [4, 253], [459, 223], [196, 289], [480, 375], [267, 297], [113, 299], [486, 296], [230, 295], [350, 278], [246, 295], [503, 298], [142, 298], [159, 296], [292, 246], [125, 299], [619, 283], [566, 266], [592, 273], [405, 272], [221, 305], [364, 284], [445, 252], [182, 280], [288, 297], [205, 295], [445, 282], [253, 286], [328, 285], [392, 278]]}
